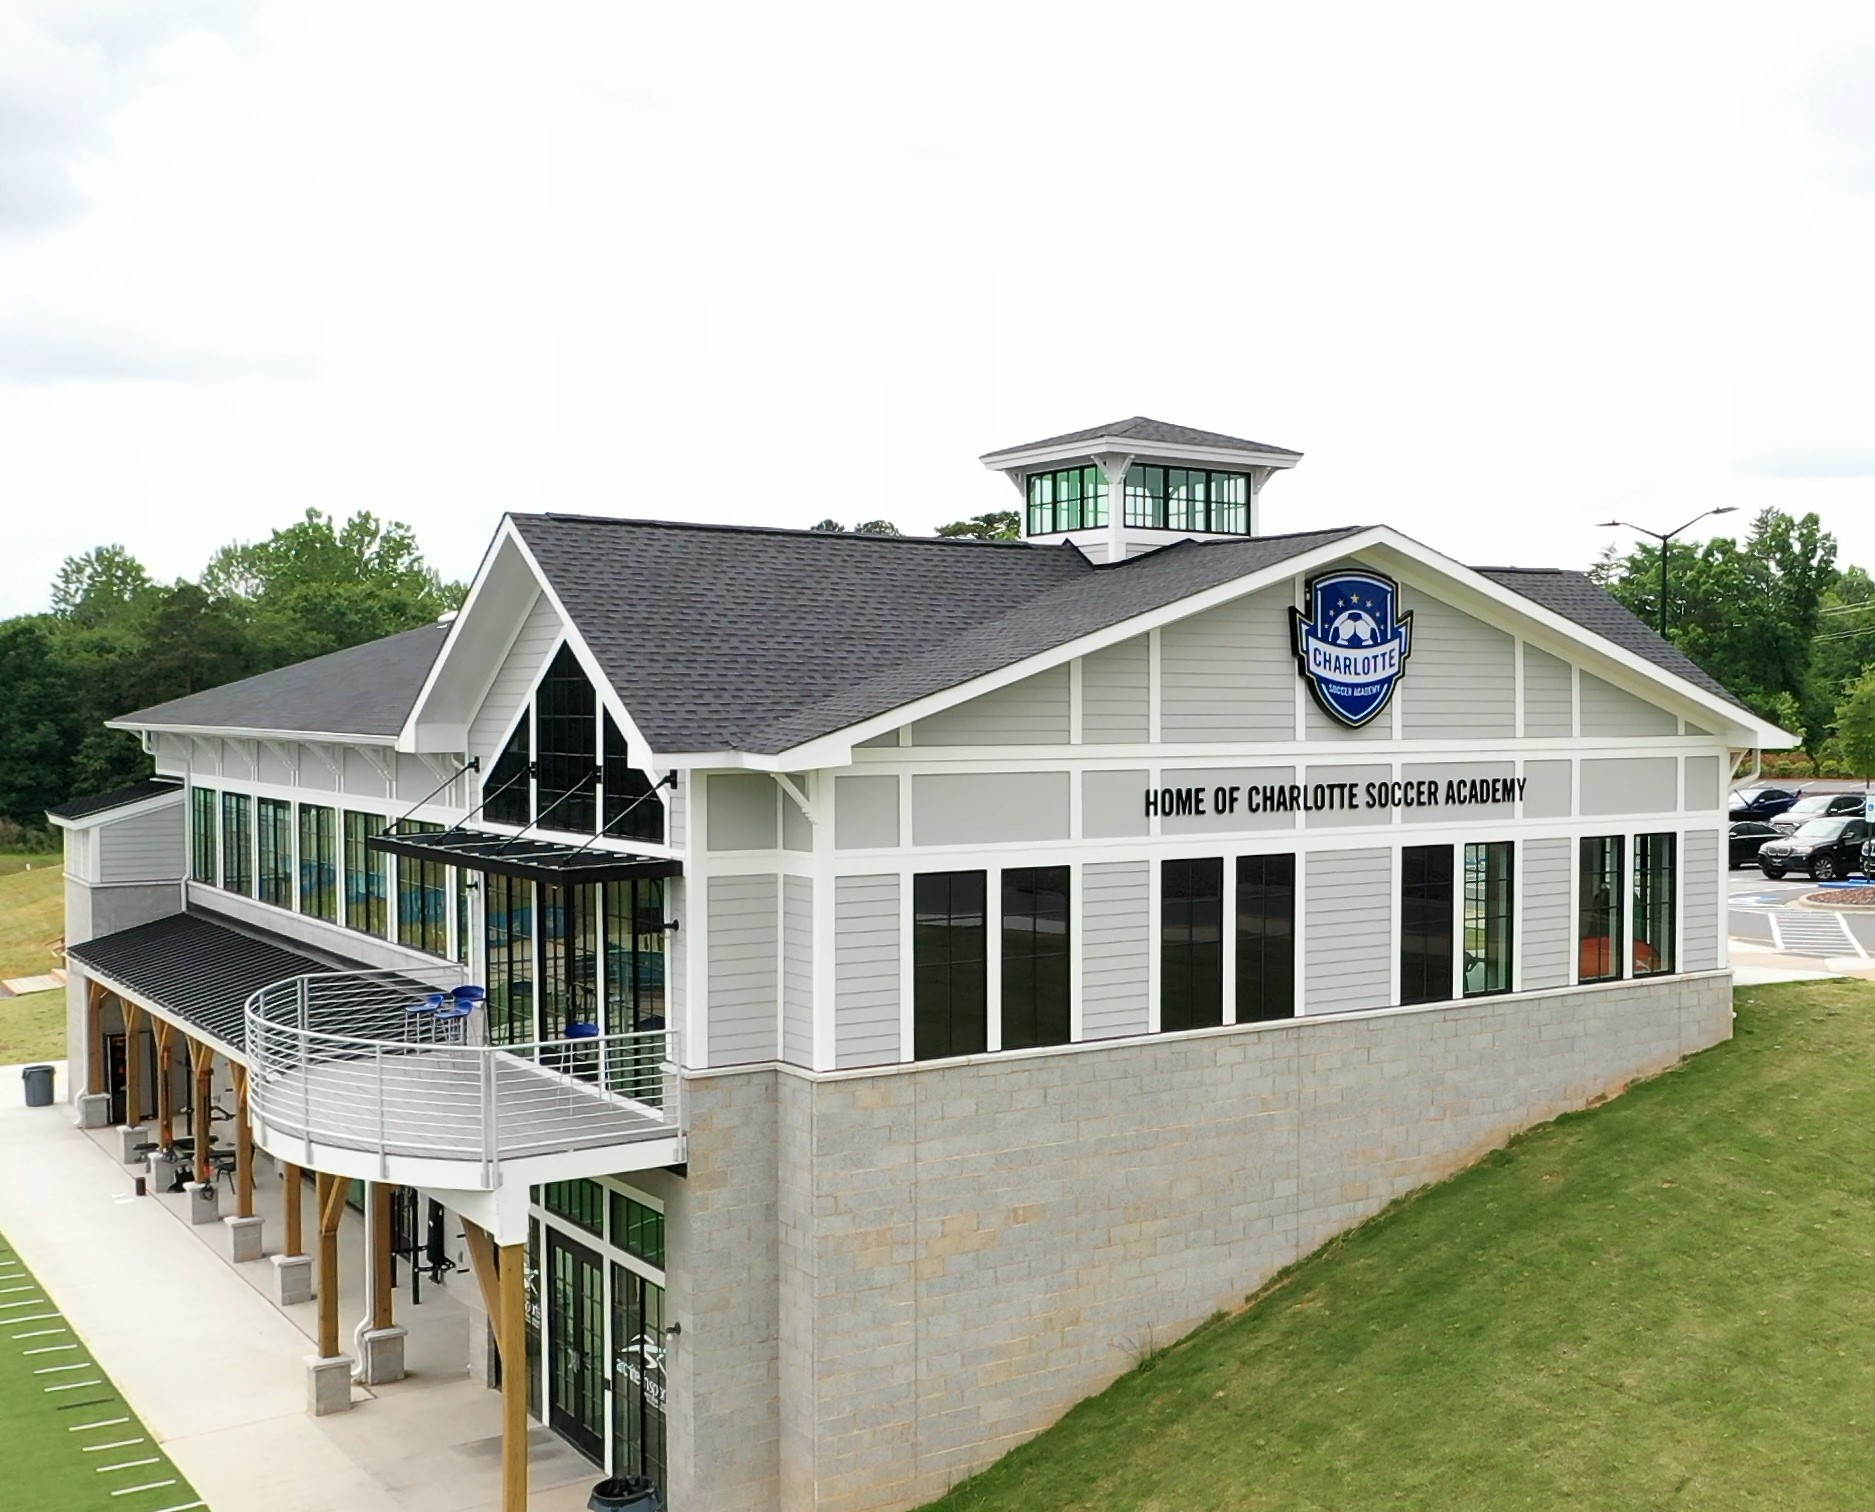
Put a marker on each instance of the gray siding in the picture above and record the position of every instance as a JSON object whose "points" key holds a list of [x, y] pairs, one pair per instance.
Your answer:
{"points": [[677, 809], [1116, 909], [797, 970], [1546, 914], [1702, 784], [742, 969], [743, 811], [1228, 674], [1348, 952], [1630, 785], [1608, 710], [534, 642], [1034, 711], [1461, 680], [1114, 693], [1700, 874], [988, 808], [865, 971], [1548, 696], [1548, 789], [143, 847], [865, 812], [1114, 804]]}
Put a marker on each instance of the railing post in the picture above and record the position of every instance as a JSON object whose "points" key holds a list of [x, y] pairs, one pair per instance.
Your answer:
{"points": [[377, 1055], [305, 1085], [488, 1116]]}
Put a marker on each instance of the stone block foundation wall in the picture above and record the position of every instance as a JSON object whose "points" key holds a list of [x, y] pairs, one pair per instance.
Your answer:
{"points": [[887, 1280]]}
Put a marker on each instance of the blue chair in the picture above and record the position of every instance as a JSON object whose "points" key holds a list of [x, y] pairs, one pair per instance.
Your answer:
{"points": [[420, 1018]]}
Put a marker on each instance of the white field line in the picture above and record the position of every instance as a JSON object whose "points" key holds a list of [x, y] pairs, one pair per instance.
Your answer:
{"points": [[72, 1385], [35, 1318], [135, 1464], [28, 1302], [48, 1349], [5, 1289], [37, 1333], [101, 1423], [146, 1486], [114, 1444], [55, 1369], [183, 1506]]}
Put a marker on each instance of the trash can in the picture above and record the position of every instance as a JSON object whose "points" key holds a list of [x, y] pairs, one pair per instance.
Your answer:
{"points": [[625, 1493], [38, 1081]]}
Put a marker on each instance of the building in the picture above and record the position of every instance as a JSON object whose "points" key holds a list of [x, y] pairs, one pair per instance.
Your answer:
{"points": [[916, 972]]}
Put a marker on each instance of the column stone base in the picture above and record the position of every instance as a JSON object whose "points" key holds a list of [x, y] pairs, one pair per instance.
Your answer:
{"points": [[162, 1172], [203, 1206], [293, 1279], [94, 1110], [132, 1135], [382, 1356], [244, 1239], [328, 1385]]}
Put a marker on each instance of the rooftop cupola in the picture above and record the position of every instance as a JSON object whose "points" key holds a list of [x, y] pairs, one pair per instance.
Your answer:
{"points": [[1176, 483]]}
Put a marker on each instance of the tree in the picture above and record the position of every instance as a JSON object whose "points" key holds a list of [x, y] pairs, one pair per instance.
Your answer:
{"points": [[828, 527], [1855, 726], [98, 585], [997, 525], [875, 527], [37, 734]]}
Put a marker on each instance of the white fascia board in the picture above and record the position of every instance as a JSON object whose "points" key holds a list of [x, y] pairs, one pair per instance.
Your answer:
{"points": [[1148, 451], [244, 732], [836, 749], [407, 737], [148, 805]]}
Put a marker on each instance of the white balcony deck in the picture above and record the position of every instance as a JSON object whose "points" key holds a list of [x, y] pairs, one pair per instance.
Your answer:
{"points": [[347, 1079]]}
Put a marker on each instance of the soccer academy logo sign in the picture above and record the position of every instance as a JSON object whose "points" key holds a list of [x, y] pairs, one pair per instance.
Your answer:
{"points": [[1353, 643]]}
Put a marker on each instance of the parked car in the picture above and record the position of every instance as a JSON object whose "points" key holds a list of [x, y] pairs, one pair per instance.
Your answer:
{"points": [[1825, 848], [1762, 802], [1817, 806], [1746, 837]]}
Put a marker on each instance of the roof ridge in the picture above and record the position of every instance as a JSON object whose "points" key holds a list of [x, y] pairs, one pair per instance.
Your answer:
{"points": [[782, 530]]}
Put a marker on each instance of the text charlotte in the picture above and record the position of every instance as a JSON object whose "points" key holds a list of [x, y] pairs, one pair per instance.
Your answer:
{"points": [[1331, 797]]}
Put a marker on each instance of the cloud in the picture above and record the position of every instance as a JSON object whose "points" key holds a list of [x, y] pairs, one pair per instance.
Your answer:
{"points": [[50, 347], [66, 66], [1816, 459]]}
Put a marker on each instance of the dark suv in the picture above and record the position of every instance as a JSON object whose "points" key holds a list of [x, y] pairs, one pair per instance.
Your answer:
{"points": [[1825, 848], [1817, 806]]}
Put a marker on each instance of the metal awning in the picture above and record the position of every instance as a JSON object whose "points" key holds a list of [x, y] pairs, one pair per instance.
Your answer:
{"points": [[525, 856]]}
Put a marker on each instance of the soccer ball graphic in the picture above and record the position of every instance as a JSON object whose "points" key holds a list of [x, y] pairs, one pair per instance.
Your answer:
{"points": [[1354, 627]]}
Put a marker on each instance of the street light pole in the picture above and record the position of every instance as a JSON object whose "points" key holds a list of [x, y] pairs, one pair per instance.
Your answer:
{"points": [[1664, 540]]}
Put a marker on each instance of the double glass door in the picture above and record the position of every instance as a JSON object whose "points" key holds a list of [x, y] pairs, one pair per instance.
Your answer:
{"points": [[637, 1376], [576, 1344]]}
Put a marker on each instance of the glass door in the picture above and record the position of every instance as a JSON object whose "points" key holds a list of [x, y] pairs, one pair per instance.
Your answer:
{"points": [[576, 1335], [637, 1376]]}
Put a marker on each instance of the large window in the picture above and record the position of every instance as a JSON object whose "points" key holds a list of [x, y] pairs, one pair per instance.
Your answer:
{"points": [[1188, 498], [566, 746], [508, 924], [1035, 957], [1655, 868], [950, 964], [633, 810], [637, 1229], [318, 862], [634, 956], [1266, 938], [1073, 498], [273, 828], [202, 835], [1489, 917], [237, 843], [1425, 923], [1599, 923], [422, 898], [1191, 943], [507, 794], [367, 876], [569, 957], [579, 1202]]}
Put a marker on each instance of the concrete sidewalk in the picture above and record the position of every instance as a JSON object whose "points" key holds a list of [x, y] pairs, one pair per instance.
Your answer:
{"points": [[217, 1372]]}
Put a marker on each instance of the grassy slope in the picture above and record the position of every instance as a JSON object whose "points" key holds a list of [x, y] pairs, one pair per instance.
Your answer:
{"points": [[46, 1466], [1666, 1301], [32, 914]]}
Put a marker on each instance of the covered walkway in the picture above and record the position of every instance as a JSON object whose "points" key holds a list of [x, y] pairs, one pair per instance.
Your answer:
{"points": [[218, 1371]]}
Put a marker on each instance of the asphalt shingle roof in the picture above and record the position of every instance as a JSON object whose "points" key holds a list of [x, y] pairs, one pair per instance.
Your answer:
{"points": [[123, 797], [1139, 428], [364, 690]]}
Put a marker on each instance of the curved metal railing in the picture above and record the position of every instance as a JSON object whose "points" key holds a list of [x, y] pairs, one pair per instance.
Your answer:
{"points": [[361, 1060]]}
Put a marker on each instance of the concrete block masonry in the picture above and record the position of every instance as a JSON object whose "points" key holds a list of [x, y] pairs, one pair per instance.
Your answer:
{"points": [[887, 1281]]}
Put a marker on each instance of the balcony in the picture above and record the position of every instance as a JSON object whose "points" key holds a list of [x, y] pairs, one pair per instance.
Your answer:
{"points": [[350, 1073]]}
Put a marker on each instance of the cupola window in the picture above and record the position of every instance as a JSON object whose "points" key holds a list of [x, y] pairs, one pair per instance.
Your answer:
{"points": [[1074, 498], [1188, 498]]}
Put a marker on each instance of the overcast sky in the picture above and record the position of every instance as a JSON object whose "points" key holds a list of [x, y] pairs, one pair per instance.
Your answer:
{"points": [[1500, 272]]}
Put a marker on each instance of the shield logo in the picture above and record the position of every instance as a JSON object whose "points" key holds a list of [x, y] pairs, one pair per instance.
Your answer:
{"points": [[1352, 644]]}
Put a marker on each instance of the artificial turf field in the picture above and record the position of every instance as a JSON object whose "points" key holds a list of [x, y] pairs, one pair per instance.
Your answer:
{"points": [[1664, 1302], [68, 1441]]}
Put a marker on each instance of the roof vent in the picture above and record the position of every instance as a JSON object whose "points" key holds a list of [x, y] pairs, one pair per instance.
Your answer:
{"points": [[447, 617]]}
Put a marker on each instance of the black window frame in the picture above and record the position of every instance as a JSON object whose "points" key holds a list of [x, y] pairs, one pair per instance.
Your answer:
{"points": [[1655, 900], [318, 862], [1191, 943], [630, 808], [204, 836], [637, 1228], [367, 903], [423, 897], [1490, 890], [508, 907], [580, 1201], [237, 843], [950, 964], [1428, 914], [1149, 499], [1265, 917], [1064, 499], [1037, 956], [273, 851], [507, 792], [1602, 864], [566, 747]]}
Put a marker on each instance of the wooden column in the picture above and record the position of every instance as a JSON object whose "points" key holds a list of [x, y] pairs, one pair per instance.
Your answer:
{"points": [[203, 1059], [513, 1378], [133, 1064], [165, 1114], [292, 1190], [243, 1145], [94, 1038], [329, 1200], [379, 1195]]}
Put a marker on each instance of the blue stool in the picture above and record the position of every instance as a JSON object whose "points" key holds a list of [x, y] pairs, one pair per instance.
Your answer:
{"points": [[421, 1018], [452, 1020]]}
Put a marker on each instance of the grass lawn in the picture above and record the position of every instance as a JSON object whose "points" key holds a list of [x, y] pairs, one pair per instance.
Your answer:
{"points": [[32, 916], [70, 1441], [1668, 1301]]}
